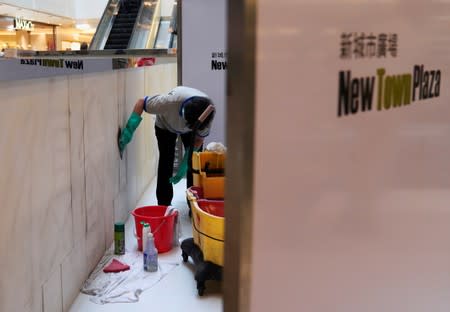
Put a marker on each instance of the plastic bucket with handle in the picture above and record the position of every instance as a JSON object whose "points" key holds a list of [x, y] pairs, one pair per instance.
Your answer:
{"points": [[162, 226]]}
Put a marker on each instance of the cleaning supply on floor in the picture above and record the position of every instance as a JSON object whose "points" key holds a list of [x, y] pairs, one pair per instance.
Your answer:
{"points": [[119, 238], [116, 266], [125, 286], [150, 255], [145, 230]]}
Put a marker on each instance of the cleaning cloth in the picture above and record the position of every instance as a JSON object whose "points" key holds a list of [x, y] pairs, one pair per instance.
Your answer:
{"points": [[125, 286], [116, 266]]}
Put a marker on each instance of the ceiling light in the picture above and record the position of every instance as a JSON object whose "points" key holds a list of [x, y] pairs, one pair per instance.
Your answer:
{"points": [[82, 26]]}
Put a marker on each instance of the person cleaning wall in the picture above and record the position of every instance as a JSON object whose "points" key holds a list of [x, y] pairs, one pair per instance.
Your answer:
{"points": [[184, 111]]}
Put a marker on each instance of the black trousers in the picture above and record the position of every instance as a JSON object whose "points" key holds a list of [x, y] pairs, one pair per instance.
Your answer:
{"points": [[166, 146]]}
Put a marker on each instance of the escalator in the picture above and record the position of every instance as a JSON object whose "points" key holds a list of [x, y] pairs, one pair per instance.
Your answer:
{"points": [[137, 25], [122, 28]]}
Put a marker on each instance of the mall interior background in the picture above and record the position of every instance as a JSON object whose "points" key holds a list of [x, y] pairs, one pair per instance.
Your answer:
{"points": [[55, 25]]}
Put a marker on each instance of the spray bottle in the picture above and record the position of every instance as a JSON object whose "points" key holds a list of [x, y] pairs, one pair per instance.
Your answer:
{"points": [[150, 255]]}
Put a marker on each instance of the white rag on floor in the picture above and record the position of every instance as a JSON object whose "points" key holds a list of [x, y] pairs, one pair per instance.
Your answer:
{"points": [[123, 286]]}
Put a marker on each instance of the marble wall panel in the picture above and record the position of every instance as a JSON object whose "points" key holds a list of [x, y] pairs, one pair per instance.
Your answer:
{"points": [[134, 89], [74, 272], [77, 171], [121, 212], [160, 79], [63, 184], [16, 137], [52, 292], [121, 114], [52, 236], [101, 159]]}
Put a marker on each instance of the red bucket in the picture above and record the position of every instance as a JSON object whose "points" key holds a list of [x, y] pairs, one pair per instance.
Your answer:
{"points": [[162, 227]]}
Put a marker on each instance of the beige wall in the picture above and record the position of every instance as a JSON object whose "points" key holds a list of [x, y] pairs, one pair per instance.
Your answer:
{"points": [[62, 183]]}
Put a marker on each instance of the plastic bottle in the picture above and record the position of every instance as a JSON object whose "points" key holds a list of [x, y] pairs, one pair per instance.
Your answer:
{"points": [[145, 230], [119, 238], [150, 255]]}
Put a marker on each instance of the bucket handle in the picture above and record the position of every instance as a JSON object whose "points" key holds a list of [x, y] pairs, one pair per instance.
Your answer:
{"points": [[153, 232], [157, 228]]}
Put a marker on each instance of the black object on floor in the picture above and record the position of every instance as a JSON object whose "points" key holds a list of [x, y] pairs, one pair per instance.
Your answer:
{"points": [[204, 270]]}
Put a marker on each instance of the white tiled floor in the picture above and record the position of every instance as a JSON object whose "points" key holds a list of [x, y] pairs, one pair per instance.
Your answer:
{"points": [[177, 291]]}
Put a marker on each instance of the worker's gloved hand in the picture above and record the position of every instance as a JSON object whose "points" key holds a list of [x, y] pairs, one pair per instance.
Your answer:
{"points": [[183, 168], [127, 133]]}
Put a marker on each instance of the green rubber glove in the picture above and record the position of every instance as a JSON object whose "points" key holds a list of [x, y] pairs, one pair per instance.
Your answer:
{"points": [[127, 133], [183, 168]]}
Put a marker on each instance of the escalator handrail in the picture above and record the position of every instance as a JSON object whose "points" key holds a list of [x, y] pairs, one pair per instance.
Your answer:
{"points": [[145, 27]]}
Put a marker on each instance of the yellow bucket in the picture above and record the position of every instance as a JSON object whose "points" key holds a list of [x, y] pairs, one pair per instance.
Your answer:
{"points": [[202, 164], [208, 224]]}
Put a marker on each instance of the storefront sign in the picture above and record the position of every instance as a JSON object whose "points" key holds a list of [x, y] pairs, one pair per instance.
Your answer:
{"points": [[17, 69], [22, 24], [219, 61], [360, 45], [69, 64], [394, 90]]}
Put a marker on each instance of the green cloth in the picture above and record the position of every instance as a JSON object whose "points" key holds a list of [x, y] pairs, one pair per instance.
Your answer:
{"points": [[127, 133], [183, 168]]}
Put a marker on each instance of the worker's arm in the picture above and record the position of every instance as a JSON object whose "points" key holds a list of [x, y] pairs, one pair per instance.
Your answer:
{"points": [[139, 107]]}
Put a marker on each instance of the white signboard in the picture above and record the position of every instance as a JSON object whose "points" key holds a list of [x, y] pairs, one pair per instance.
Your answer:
{"points": [[204, 55]]}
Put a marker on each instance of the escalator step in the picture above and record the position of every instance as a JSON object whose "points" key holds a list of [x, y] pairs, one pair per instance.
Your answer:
{"points": [[115, 46], [122, 27], [123, 24], [125, 19], [119, 36], [122, 32], [130, 10], [118, 41], [127, 15]]}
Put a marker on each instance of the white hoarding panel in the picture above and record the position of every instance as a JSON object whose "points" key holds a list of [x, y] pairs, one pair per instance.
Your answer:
{"points": [[352, 168], [204, 55]]}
